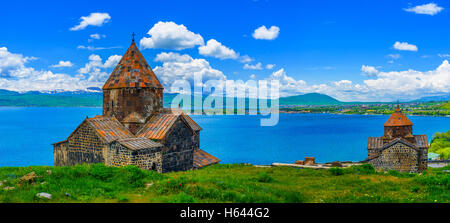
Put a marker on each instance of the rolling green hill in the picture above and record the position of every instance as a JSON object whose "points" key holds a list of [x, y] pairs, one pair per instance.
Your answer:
{"points": [[309, 99], [94, 99]]}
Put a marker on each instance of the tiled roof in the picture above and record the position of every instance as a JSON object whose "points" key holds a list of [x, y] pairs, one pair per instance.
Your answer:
{"points": [[159, 125], [139, 143], [202, 158], [186, 117], [375, 143], [109, 128], [421, 141], [132, 71], [398, 119]]}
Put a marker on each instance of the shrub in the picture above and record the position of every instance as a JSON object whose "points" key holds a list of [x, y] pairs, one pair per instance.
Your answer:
{"points": [[394, 173], [363, 169], [336, 171], [101, 172], [134, 176], [263, 177], [181, 198], [122, 199], [415, 189]]}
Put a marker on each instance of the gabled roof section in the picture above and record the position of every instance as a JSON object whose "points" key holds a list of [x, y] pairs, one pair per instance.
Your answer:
{"points": [[421, 141], [399, 140], [375, 143], [202, 159], [159, 125], [132, 71], [109, 129], [398, 119], [139, 143], [188, 119]]}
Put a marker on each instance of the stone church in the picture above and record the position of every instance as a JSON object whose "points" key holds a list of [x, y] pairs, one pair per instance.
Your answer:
{"points": [[398, 149], [135, 129]]}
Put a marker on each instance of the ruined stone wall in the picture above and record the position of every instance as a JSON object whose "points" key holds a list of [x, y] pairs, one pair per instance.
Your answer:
{"points": [[178, 153], [83, 146], [398, 157], [123, 101], [147, 159]]}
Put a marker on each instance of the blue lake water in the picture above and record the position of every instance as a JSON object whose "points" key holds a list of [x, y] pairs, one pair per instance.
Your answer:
{"points": [[26, 135]]}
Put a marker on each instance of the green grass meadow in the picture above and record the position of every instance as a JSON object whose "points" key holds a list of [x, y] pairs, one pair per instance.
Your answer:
{"points": [[235, 183]]}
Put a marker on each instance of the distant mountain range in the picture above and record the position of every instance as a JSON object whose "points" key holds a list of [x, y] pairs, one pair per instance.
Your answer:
{"points": [[434, 98], [92, 97]]}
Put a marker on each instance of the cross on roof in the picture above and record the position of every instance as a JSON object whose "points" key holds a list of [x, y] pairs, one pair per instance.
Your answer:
{"points": [[133, 36]]}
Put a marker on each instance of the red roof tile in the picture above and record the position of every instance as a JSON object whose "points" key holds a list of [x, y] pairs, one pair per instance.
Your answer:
{"points": [[109, 128], [159, 125], [132, 71], [202, 159], [398, 119], [139, 143]]}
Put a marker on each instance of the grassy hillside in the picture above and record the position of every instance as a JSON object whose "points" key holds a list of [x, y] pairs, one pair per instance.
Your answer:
{"points": [[222, 183], [309, 99]]}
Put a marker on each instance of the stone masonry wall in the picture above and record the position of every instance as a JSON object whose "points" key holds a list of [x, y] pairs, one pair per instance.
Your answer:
{"points": [[60, 153], [147, 159], [118, 155], [398, 157], [124, 101], [423, 160], [196, 139], [178, 153], [83, 146]]}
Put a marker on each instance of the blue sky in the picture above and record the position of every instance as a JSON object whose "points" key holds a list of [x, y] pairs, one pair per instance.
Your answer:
{"points": [[346, 49]]}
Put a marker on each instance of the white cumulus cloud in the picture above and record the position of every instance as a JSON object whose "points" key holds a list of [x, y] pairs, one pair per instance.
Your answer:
{"points": [[184, 69], [369, 70], [405, 46], [95, 67], [63, 64], [270, 66], [215, 49], [15, 75], [10, 60], [169, 35], [426, 9], [266, 34], [94, 19], [172, 57], [257, 66]]}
